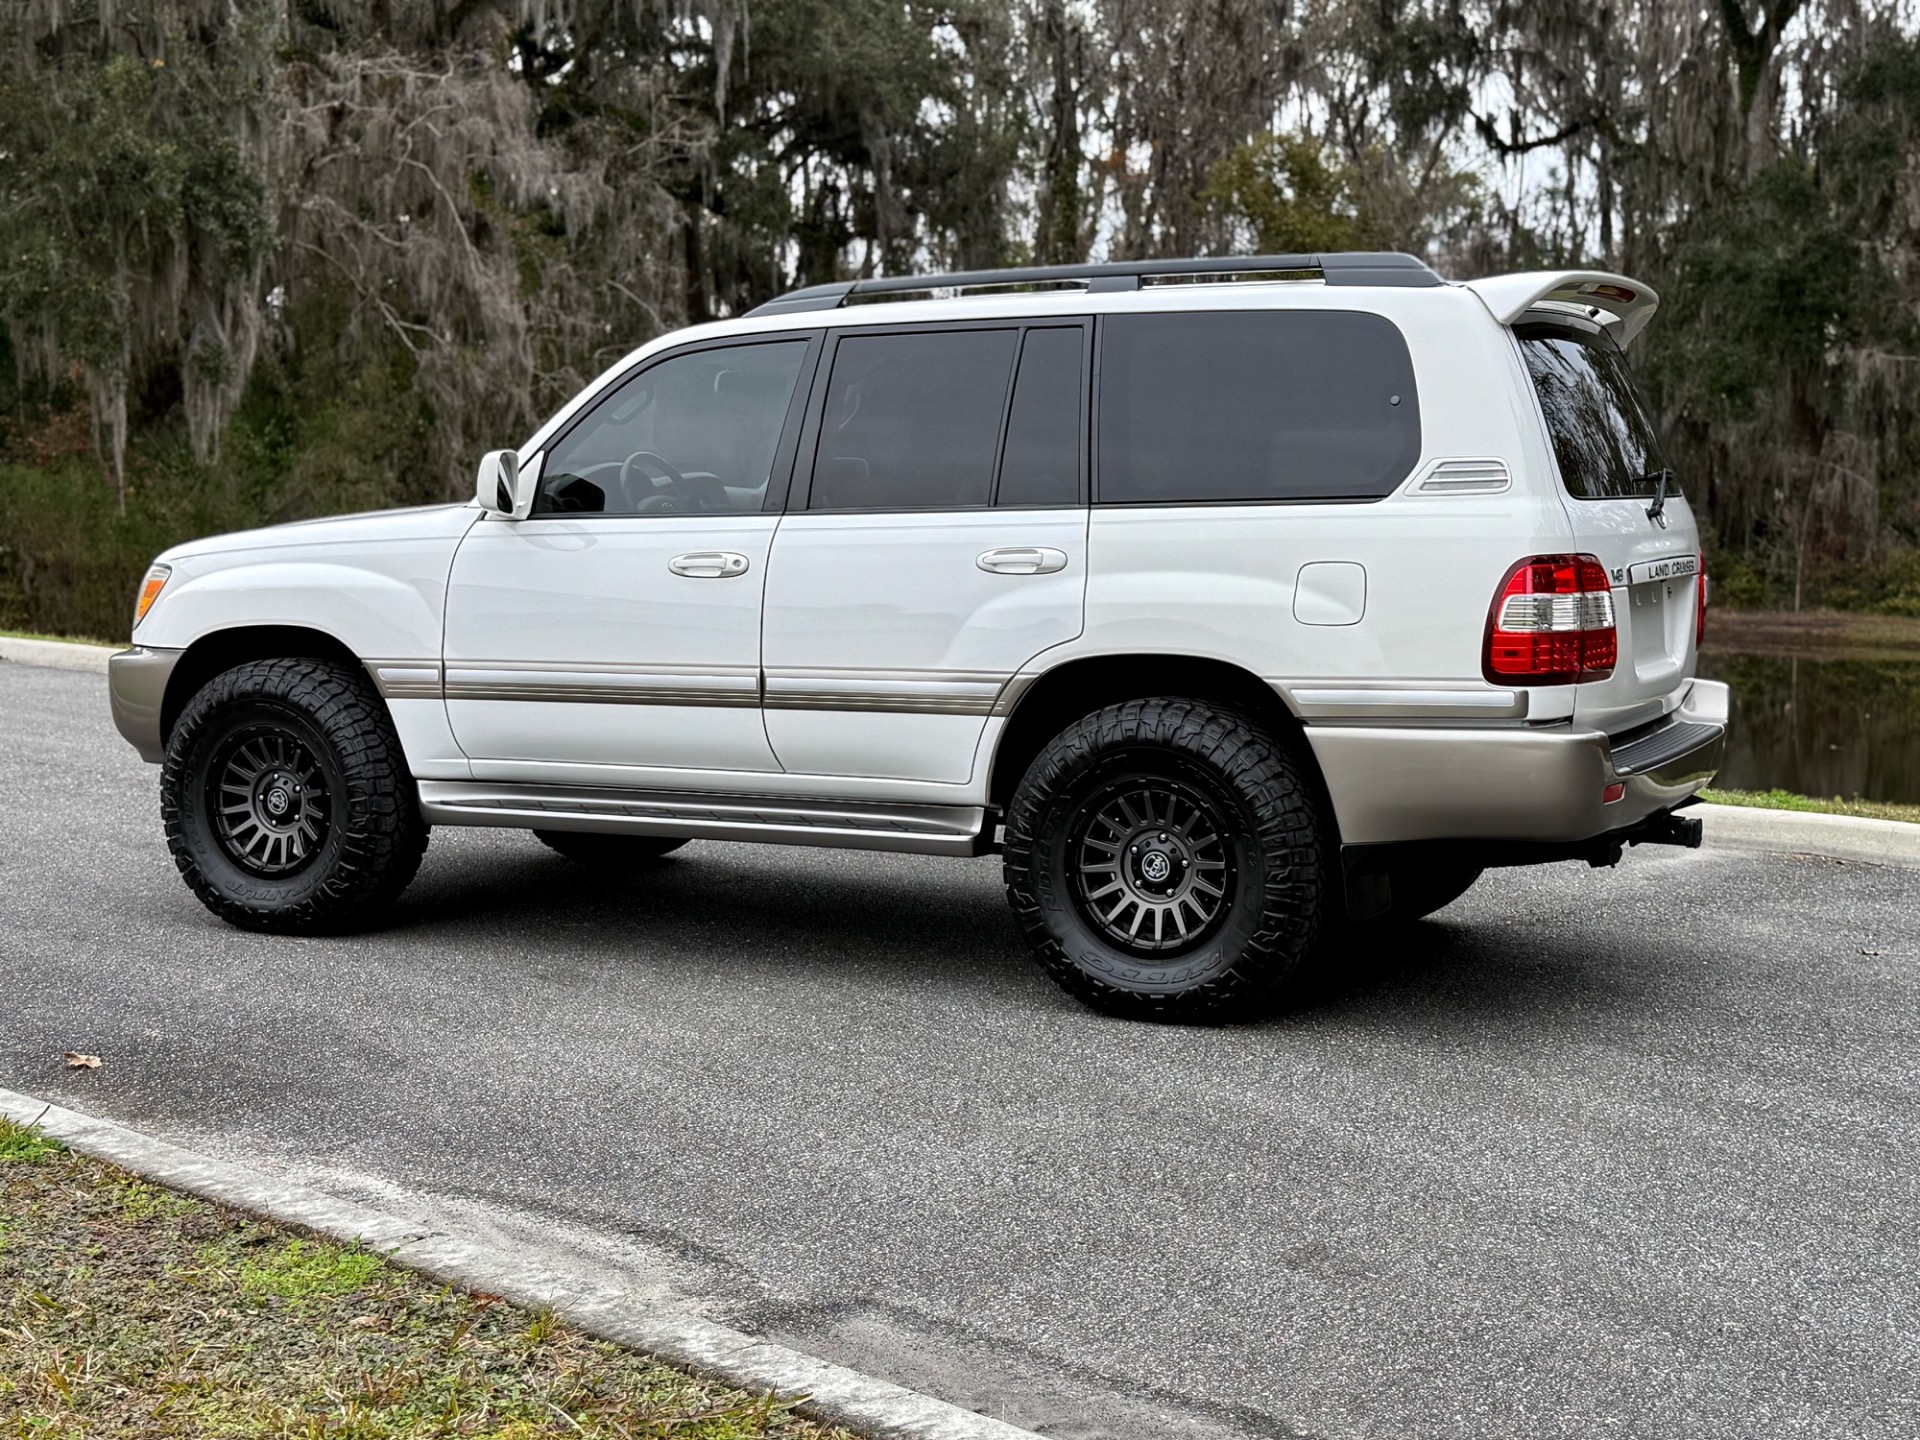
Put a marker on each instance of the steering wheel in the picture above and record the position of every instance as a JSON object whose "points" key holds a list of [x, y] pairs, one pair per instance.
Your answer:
{"points": [[680, 494]]}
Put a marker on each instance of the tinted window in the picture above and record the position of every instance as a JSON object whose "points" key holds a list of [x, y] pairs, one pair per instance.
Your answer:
{"points": [[1292, 405], [912, 421], [1041, 462], [693, 434], [1601, 435]]}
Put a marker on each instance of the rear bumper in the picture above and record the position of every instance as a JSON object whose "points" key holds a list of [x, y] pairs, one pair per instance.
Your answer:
{"points": [[136, 689], [1394, 784]]}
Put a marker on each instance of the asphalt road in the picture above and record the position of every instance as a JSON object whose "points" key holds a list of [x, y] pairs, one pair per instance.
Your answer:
{"points": [[1593, 1153]]}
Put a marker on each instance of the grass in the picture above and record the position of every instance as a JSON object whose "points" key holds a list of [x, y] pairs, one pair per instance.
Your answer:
{"points": [[1787, 800], [1813, 635], [128, 1309], [65, 639]]}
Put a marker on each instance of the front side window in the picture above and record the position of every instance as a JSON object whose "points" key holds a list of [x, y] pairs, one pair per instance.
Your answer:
{"points": [[1601, 435], [693, 434], [1254, 405], [912, 420]]}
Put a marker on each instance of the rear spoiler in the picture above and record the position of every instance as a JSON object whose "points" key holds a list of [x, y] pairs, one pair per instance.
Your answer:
{"points": [[1614, 299]]}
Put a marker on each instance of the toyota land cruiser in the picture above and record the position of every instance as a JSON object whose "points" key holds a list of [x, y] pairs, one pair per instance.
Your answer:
{"points": [[1238, 604]]}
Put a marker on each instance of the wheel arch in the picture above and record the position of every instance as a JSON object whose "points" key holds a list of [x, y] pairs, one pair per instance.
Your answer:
{"points": [[1078, 687], [221, 650]]}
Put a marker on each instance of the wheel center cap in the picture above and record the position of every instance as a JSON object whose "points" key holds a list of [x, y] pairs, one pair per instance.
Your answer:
{"points": [[1155, 866], [277, 798]]}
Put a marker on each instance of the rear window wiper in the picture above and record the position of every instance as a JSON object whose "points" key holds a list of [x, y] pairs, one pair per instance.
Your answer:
{"points": [[1661, 478]]}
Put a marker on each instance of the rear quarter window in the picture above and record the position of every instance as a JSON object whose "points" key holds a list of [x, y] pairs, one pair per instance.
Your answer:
{"points": [[1254, 405], [1606, 446]]}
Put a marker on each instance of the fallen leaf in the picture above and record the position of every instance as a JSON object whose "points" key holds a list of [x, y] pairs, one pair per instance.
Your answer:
{"points": [[367, 1322], [77, 1061]]}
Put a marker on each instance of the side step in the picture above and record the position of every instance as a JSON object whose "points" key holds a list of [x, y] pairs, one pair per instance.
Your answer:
{"points": [[763, 820]]}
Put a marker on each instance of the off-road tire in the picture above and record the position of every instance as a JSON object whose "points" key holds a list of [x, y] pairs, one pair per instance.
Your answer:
{"points": [[609, 852], [373, 836], [1274, 836], [1419, 890]]}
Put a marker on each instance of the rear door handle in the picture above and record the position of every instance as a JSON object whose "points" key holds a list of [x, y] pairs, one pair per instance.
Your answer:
{"points": [[1023, 560], [709, 565]]}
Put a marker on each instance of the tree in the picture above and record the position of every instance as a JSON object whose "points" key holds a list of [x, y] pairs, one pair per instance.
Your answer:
{"points": [[136, 227], [1282, 189]]}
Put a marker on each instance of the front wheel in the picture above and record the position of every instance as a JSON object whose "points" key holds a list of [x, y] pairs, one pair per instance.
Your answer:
{"points": [[287, 800], [1166, 859]]}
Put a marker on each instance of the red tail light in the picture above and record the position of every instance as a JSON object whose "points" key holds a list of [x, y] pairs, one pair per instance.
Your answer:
{"points": [[1701, 589], [1552, 623]]}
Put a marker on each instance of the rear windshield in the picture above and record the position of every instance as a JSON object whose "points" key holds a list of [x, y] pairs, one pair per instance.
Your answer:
{"points": [[1601, 435]]}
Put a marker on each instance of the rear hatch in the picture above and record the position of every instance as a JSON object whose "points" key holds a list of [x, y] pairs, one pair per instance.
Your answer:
{"points": [[1613, 478]]}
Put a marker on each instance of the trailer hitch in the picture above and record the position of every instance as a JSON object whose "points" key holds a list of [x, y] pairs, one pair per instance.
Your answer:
{"points": [[1667, 828]]}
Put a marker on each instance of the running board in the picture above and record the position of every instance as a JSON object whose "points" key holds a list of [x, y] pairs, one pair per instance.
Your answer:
{"points": [[916, 829]]}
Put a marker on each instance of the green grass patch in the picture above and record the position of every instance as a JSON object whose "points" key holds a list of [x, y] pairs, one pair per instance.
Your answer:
{"points": [[1787, 800], [24, 1144], [302, 1270], [126, 1309]]}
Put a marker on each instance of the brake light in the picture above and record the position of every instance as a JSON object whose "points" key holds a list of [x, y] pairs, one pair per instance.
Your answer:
{"points": [[1700, 592], [1552, 623]]}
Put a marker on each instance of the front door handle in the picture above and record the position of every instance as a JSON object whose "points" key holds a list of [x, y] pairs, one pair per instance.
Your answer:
{"points": [[1023, 560], [709, 565]]}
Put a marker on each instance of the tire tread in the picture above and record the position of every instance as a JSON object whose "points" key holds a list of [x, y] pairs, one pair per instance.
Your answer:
{"points": [[1285, 804], [384, 836]]}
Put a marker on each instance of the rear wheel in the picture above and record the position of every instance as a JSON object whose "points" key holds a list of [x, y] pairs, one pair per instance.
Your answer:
{"points": [[287, 800], [1165, 859], [609, 852]]}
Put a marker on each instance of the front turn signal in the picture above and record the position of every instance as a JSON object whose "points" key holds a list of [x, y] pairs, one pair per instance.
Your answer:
{"points": [[150, 589]]}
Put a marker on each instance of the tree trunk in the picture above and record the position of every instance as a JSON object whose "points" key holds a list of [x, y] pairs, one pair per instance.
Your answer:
{"points": [[1058, 239]]}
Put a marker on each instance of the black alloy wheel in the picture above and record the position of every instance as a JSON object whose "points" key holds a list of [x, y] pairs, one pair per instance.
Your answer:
{"points": [[1152, 868], [1168, 859], [270, 805], [288, 802]]}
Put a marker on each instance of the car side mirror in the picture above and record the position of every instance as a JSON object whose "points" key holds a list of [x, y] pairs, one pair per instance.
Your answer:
{"points": [[504, 487]]}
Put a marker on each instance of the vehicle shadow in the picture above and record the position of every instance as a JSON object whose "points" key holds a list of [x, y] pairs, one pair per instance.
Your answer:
{"points": [[1462, 966], [791, 906], [902, 915]]}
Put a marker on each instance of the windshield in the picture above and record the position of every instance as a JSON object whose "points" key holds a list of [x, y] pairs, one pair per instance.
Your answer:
{"points": [[1601, 435]]}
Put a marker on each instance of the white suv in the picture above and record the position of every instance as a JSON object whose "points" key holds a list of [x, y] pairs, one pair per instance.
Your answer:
{"points": [[1237, 603]]}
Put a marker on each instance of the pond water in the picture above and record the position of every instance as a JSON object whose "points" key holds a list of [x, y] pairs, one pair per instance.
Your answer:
{"points": [[1849, 728]]}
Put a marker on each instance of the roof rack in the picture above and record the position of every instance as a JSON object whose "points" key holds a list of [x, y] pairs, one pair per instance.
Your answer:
{"points": [[1380, 267]]}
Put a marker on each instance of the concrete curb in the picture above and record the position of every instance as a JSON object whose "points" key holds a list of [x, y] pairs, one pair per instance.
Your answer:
{"points": [[55, 654], [1792, 832], [874, 1407]]}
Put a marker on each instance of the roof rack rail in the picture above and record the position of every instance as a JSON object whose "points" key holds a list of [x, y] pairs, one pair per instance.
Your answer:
{"points": [[1381, 267]]}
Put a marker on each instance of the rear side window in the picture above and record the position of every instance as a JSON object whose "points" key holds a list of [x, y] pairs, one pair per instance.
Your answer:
{"points": [[1255, 405], [1041, 463], [1601, 436], [912, 421]]}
